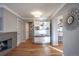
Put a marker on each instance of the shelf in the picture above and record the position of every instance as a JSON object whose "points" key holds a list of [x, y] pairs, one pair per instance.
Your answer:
{"points": [[42, 36]]}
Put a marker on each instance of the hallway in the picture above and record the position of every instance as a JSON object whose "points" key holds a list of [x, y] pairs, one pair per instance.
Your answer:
{"points": [[30, 49]]}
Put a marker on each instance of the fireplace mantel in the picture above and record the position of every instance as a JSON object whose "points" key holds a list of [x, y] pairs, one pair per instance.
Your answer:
{"points": [[6, 36]]}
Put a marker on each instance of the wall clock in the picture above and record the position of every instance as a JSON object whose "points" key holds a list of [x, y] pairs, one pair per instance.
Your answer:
{"points": [[70, 20]]}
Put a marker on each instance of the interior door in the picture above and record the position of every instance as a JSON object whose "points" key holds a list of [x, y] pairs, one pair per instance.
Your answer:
{"points": [[27, 30]]}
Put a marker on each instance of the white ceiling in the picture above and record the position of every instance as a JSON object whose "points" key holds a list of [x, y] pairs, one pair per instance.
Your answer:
{"points": [[25, 9]]}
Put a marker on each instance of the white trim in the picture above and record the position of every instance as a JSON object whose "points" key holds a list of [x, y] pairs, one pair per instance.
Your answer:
{"points": [[28, 18], [10, 10], [51, 16], [62, 5]]}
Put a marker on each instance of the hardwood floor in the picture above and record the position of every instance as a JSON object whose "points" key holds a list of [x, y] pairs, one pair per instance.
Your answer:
{"points": [[60, 46], [30, 49]]}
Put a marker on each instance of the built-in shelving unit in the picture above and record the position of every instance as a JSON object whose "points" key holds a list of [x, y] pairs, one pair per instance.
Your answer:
{"points": [[1, 24], [8, 30], [41, 31], [8, 21]]}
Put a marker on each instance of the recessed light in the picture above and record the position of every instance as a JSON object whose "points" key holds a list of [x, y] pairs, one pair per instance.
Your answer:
{"points": [[36, 13]]}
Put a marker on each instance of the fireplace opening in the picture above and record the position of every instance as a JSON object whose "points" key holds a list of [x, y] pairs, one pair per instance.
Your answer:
{"points": [[7, 44]]}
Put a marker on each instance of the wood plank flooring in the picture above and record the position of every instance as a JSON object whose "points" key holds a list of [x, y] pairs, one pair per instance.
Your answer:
{"points": [[59, 46], [30, 49]]}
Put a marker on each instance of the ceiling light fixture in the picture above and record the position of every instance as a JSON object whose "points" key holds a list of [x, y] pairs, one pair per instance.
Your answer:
{"points": [[36, 13]]}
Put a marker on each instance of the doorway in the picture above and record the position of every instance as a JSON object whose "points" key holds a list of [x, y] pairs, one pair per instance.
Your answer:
{"points": [[57, 34], [60, 33], [30, 30]]}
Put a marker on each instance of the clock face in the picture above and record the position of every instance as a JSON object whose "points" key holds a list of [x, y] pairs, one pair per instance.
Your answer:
{"points": [[70, 20]]}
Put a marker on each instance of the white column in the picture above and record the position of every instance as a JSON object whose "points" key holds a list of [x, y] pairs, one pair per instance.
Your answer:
{"points": [[54, 32]]}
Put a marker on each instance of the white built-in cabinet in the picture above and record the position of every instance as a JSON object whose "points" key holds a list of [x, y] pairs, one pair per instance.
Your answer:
{"points": [[1, 19], [8, 21], [19, 31], [41, 31], [22, 31], [1, 24], [11, 23]]}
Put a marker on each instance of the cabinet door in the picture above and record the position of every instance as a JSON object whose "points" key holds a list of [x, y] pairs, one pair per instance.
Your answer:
{"points": [[19, 32]]}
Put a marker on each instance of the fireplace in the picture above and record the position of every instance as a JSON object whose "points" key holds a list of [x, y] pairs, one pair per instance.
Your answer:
{"points": [[6, 44]]}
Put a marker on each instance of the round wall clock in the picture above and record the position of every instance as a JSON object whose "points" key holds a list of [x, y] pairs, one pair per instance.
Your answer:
{"points": [[70, 19]]}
